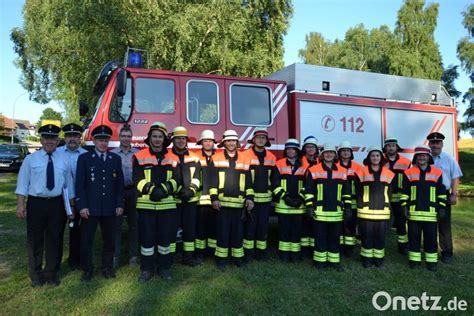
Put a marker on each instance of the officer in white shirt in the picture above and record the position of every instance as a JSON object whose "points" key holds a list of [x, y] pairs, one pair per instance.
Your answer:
{"points": [[451, 175], [42, 178], [71, 151]]}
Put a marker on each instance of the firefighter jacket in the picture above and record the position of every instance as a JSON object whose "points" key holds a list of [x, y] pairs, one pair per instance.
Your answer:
{"points": [[423, 193], [152, 170], [262, 165], [351, 170], [327, 190], [374, 190], [207, 164], [398, 167], [190, 169], [288, 180], [231, 182]]}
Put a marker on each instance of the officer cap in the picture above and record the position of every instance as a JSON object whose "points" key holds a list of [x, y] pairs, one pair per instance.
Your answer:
{"points": [[102, 131], [206, 134], [71, 129], [50, 130], [392, 140], [158, 126], [229, 134], [260, 131], [435, 136], [366, 161], [423, 149]]}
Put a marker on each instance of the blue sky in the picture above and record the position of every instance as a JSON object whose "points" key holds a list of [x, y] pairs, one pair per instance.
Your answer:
{"points": [[332, 18]]}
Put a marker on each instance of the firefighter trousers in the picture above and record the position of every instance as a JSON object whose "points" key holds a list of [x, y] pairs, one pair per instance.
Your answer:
{"points": [[230, 233], [326, 241], [307, 235], [157, 231], [256, 229], [372, 237], [400, 224], [205, 229], [430, 243], [289, 232], [187, 220], [349, 239], [445, 235]]}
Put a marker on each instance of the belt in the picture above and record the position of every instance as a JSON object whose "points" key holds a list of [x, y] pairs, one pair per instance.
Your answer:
{"points": [[45, 197]]}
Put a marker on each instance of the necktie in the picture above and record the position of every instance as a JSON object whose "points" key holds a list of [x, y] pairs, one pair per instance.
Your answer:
{"points": [[50, 173], [102, 156]]}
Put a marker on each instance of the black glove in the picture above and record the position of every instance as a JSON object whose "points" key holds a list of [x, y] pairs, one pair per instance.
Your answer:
{"points": [[185, 194], [441, 214], [288, 200], [405, 212], [310, 212], [157, 194], [147, 187], [347, 215]]}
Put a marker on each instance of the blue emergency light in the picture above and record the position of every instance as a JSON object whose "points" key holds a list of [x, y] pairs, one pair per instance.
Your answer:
{"points": [[135, 60]]}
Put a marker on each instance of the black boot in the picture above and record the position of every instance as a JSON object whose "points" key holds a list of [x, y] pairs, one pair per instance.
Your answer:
{"points": [[221, 263], [403, 248], [284, 256], [433, 267], [145, 276], [413, 264], [320, 265], [378, 262], [366, 262]]}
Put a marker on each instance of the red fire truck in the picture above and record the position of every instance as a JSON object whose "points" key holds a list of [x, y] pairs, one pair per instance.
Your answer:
{"points": [[300, 100]]}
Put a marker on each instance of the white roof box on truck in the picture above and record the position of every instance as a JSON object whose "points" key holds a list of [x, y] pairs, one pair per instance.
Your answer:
{"points": [[345, 82]]}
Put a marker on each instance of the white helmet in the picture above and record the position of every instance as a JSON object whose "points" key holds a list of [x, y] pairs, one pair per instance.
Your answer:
{"points": [[229, 134], [328, 147], [206, 134]]}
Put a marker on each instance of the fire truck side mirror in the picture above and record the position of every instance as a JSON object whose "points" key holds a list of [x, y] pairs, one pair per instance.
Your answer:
{"points": [[121, 82], [83, 108]]}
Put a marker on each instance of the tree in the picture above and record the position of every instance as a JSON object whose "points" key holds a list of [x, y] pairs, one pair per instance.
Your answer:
{"points": [[63, 44], [448, 78], [465, 52], [418, 55], [49, 114], [408, 51]]}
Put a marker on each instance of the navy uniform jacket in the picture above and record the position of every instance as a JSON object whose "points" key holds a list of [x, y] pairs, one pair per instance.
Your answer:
{"points": [[99, 184]]}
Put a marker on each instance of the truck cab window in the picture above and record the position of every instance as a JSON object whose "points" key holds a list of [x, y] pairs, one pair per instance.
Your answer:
{"points": [[250, 105], [121, 107], [202, 102], [154, 95]]}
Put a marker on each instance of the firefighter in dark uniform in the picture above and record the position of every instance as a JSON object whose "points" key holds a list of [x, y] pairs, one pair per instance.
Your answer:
{"points": [[346, 160], [99, 199], [288, 191], [71, 151], [262, 165], [328, 203], [373, 190], [187, 197], [310, 154], [42, 178], [423, 201], [232, 197], [206, 215], [157, 177], [397, 164]]}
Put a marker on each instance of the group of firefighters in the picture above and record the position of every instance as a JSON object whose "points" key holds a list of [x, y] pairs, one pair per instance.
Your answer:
{"points": [[221, 200]]}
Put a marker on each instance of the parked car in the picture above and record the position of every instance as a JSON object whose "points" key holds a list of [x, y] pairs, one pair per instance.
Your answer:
{"points": [[12, 156]]}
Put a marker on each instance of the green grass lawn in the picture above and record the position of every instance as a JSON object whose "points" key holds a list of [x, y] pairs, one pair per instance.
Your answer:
{"points": [[466, 161], [261, 288]]}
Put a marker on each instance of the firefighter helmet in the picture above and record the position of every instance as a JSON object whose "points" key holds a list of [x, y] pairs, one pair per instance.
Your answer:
{"points": [[345, 144], [366, 161], [206, 134], [328, 147], [229, 134], [260, 131], [158, 126], [392, 140], [179, 131], [423, 149]]}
